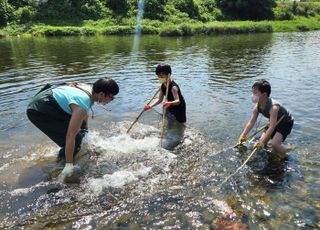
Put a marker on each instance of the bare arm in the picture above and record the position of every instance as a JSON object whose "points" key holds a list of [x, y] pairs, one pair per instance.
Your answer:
{"points": [[78, 115], [273, 121], [175, 94], [251, 122]]}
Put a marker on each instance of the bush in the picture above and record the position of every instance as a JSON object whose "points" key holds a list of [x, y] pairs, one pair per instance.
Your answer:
{"points": [[19, 3], [6, 12], [287, 10], [119, 7], [118, 30], [173, 15], [187, 6], [25, 14], [94, 10], [154, 9], [281, 13], [247, 9], [214, 29]]}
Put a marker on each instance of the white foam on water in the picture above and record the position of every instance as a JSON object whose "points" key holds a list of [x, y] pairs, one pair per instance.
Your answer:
{"points": [[136, 157], [21, 191], [5, 166], [124, 146], [117, 180]]}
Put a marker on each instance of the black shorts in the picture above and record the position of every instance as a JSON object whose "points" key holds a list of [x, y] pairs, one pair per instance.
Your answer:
{"points": [[284, 129]]}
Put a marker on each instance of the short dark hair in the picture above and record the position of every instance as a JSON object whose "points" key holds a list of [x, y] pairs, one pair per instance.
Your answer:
{"points": [[263, 86], [163, 68], [106, 85]]}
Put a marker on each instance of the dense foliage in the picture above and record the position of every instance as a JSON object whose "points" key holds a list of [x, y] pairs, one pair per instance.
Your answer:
{"points": [[6, 12], [247, 9], [119, 16]]}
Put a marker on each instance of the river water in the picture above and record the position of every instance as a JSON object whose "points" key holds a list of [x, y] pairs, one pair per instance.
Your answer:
{"points": [[127, 180]]}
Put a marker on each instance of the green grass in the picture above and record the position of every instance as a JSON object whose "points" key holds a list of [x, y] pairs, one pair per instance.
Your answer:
{"points": [[111, 27], [298, 24], [240, 27], [3, 34]]}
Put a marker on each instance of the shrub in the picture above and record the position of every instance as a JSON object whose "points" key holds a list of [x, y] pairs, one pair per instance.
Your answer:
{"points": [[94, 10], [281, 13], [120, 7], [247, 9], [154, 9], [25, 14], [187, 6], [6, 12]]}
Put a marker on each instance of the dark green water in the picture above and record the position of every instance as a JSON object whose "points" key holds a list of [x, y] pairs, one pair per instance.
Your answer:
{"points": [[127, 180]]}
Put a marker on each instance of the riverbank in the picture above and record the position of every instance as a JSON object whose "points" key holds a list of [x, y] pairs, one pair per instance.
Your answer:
{"points": [[104, 27]]}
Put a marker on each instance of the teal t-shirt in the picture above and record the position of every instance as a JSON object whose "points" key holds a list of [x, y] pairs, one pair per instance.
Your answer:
{"points": [[67, 95]]}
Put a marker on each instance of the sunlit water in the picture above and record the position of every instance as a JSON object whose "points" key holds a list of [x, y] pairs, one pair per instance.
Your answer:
{"points": [[127, 180]]}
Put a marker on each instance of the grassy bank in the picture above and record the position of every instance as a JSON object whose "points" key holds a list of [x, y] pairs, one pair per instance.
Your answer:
{"points": [[103, 27], [239, 27]]}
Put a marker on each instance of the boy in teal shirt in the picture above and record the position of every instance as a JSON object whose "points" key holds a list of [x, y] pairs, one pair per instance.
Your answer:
{"points": [[62, 113]]}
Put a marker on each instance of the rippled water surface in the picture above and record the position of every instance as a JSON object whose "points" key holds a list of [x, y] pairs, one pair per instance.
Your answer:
{"points": [[127, 180]]}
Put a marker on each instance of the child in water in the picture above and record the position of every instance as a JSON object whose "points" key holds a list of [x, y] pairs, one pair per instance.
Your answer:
{"points": [[273, 110], [61, 113], [175, 105]]}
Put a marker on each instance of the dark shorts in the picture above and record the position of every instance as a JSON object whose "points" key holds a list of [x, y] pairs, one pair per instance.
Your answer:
{"points": [[284, 129]]}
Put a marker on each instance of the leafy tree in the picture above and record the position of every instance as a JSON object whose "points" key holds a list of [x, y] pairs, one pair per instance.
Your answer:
{"points": [[247, 9], [154, 9], [55, 9], [91, 10], [72, 10], [18, 3], [25, 14], [6, 12], [187, 6], [120, 7]]}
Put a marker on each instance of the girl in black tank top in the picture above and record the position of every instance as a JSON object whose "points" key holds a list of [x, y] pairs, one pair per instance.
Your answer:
{"points": [[178, 111], [175, 104]]}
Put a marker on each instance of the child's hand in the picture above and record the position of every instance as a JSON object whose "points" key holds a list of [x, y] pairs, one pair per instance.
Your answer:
{"points": [[147, 107], [167, 104]]}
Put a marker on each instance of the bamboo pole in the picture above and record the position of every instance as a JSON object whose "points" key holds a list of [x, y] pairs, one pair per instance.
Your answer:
{"points": [[253, 135], [249, 157], [137, 118], [164, 112]]}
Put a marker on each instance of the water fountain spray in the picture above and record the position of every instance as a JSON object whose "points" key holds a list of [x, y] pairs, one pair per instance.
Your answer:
{"points": [[137, 35]]}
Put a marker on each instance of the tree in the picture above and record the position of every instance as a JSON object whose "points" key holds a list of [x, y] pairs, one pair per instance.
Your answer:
{"points": [[120, 7], [154, 9], [187, 6], [6, 12], [247, 9], [18, 3]]}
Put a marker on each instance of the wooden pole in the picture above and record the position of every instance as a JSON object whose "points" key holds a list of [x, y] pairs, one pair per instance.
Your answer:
{"points": [[251, 154], [164, 112], [137, 118]]}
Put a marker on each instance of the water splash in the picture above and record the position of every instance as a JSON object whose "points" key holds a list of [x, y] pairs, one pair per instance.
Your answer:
{"points": [[137, 35]]}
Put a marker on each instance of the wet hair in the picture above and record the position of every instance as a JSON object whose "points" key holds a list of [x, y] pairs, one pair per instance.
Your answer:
{"points": [[263, 86], [163, 68], [106, 85]]}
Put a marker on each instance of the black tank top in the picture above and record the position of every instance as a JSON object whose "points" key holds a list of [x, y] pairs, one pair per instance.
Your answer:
{"points": [[282, 111], [179, 111]]}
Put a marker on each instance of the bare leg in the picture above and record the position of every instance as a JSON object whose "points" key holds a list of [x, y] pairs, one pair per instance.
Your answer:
{"points": [[277, 145]]}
